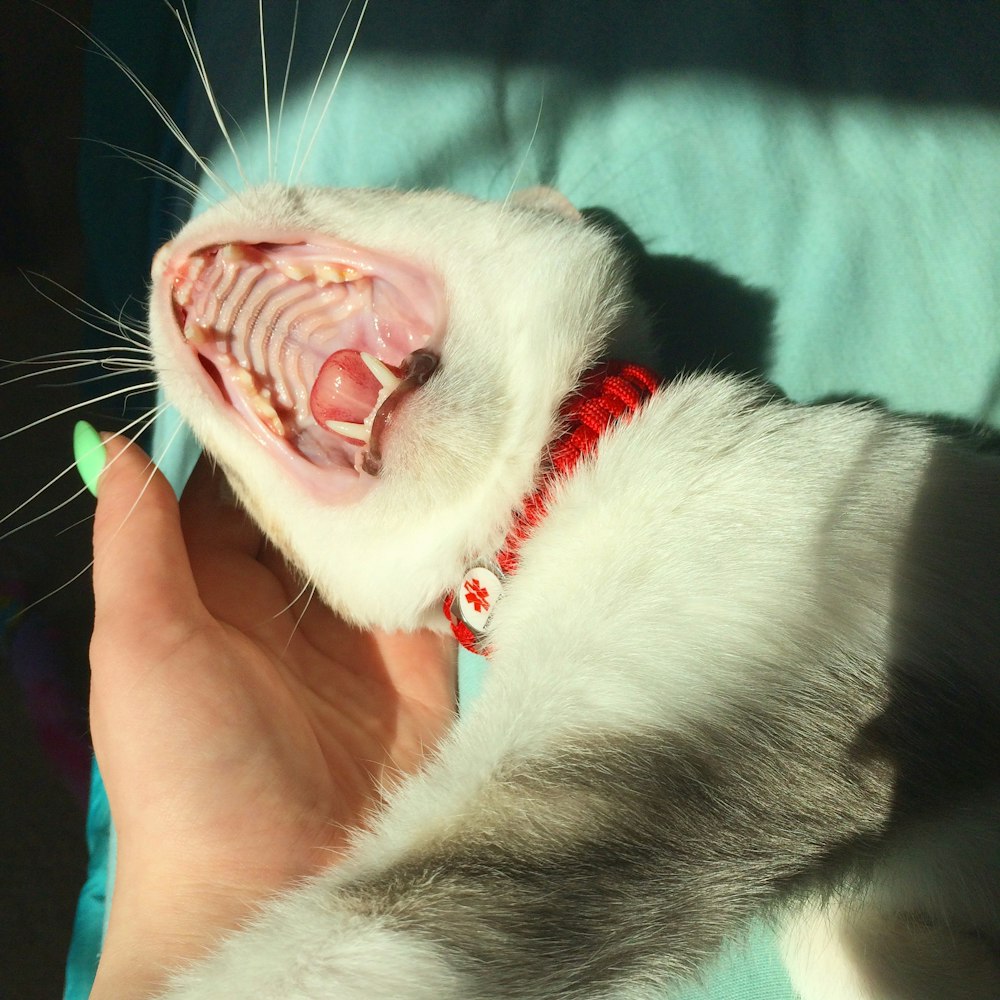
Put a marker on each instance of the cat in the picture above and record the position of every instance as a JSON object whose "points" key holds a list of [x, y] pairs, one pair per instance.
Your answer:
{"points": [[742, 662]]}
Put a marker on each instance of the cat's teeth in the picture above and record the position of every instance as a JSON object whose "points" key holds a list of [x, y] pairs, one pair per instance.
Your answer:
{"points": [[195, 333], [357, 432], [322, 274], [244, 380], [232, 253], [268, 414], [294, 271], [184, 285], [329, 274], [387, 378]]}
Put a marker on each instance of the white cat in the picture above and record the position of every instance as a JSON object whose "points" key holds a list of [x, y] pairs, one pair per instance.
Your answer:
{"points": [[746, 662]]}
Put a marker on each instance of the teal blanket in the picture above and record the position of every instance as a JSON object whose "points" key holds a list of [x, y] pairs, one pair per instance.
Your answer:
{"points": [[838, 162]]}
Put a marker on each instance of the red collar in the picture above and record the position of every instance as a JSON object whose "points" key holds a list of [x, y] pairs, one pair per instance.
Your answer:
{"points": [[608, 394]]}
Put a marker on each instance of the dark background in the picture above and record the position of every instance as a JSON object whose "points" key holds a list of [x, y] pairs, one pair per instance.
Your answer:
{"points": [[41, 808]]}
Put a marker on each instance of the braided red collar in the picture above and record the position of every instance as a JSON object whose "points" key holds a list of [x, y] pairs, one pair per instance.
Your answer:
{"points": [[609, 393]]}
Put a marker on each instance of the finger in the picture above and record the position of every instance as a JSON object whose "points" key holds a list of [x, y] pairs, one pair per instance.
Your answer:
{"points": [[141, 571], [423, 666], [211, 517]]}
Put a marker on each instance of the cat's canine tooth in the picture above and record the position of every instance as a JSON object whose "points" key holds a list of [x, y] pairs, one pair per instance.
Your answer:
{"points": [[356, 432], [388, 380]]}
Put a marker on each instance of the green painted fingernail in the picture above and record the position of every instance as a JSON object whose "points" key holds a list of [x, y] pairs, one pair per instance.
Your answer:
{"points": [[89, 454]]}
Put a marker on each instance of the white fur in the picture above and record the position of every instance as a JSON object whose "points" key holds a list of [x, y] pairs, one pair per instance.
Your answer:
{"points": [[320, 949], [709, 537]]}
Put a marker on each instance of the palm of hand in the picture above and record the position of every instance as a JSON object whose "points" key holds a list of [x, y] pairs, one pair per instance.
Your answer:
{"points": [[251, 734]]}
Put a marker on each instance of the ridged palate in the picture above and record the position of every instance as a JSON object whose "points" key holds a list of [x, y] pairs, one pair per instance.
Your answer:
{"points": [[267, 321], [279, 327]]}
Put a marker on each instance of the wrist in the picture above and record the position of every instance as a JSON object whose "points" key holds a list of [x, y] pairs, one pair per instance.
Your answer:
{"points": [[158, 927]]}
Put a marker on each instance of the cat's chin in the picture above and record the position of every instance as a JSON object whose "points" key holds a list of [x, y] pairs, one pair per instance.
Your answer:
{"points": [[499, 308], [312, 345]]}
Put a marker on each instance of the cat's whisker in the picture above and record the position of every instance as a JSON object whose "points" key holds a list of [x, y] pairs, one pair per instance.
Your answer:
{"points": [[267, 99], [284, 82], [74, 524], [151, 100], [34, 496], [386, 774], [127, 390], [56, 590], [123, 334], [134, 336], [595, 171], [527, 153], [110, 373], [73, 366], [291, 604], [137, 390], [57, 363], [298, 620], [121, 321], [187, 29], [157, 459], [146, 420], [143, 423], [294, 173], [180, 220], [162, 170], [87, 354], [333, 90], [76, 576], [116, 364]]}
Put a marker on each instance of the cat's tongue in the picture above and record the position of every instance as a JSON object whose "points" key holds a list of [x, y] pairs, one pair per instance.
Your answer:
{"points": [[345, 390], [356, 396]]}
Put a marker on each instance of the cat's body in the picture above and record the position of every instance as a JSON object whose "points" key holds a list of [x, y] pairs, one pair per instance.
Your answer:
{"points": [[747, 661]]}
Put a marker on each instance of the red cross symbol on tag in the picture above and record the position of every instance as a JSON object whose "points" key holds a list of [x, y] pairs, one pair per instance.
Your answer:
{"points": [[477, 596]]}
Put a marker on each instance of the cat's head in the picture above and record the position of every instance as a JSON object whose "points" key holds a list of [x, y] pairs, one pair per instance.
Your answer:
{"points": [[484, 314]]}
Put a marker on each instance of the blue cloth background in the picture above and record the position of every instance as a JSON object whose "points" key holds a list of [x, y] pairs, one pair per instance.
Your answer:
{"points": [[841, 158]]}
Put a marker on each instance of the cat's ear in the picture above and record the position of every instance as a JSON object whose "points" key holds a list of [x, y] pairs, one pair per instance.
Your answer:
{"points": [[547, 199]]}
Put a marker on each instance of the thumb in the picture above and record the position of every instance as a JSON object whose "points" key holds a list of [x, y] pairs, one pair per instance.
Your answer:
{"points": [[142, 575]]}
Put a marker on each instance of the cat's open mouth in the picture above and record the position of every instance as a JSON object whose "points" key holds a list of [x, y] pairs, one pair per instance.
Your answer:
{"points": [[313, 346]]}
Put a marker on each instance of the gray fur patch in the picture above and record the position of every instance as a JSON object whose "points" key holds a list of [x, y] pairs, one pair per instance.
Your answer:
{"points": [[634, 857]]}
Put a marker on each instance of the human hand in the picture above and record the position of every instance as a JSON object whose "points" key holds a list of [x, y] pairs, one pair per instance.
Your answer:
{"points": [[242, 732]]}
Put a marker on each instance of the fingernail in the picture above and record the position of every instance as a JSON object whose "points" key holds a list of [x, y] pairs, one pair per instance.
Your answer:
{"points": [[89, 454]]}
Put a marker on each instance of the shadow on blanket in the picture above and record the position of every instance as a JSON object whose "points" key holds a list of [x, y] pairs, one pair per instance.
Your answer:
{"points": [[701, 317]]}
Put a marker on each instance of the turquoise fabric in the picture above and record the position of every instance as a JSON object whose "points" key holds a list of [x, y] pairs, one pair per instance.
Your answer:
{"points": [[89, 926], [840, 158]]}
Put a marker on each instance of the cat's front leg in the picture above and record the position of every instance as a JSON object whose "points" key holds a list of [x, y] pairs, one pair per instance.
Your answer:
{"points": [[569, 864]]}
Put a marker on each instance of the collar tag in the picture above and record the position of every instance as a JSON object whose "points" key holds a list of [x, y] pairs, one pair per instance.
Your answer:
{"points": [[477, 597]]}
